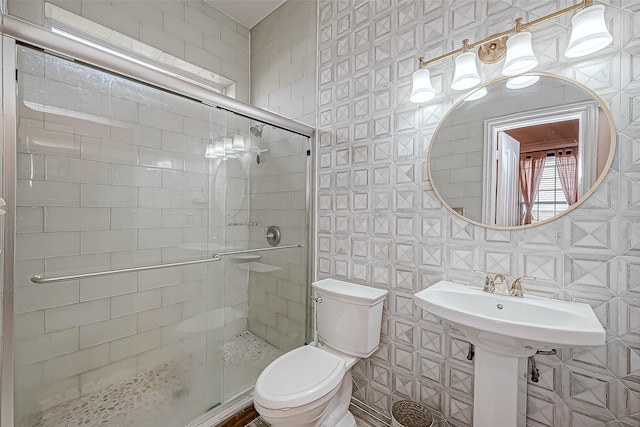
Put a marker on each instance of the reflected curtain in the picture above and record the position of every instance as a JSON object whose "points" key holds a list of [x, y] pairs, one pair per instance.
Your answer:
{"points": [[531, 166], [567, 166]]}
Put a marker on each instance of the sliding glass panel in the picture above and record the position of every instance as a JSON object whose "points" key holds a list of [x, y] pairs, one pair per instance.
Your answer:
{"points": [[113, 174], [267, 186]]}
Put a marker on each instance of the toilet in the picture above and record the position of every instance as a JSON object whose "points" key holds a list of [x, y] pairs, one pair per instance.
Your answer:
{"points": [[311, 386]]}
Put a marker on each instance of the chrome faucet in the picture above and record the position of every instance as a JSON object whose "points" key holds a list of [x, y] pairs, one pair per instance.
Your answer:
{"points": [[499, 284], [516, 287], [491, 282]]}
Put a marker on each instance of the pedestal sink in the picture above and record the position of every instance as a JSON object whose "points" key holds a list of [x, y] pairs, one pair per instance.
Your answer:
{"points": [[505, 331]]}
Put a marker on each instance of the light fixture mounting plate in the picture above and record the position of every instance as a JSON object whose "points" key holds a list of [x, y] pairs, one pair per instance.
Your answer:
{"points": [[493, 51]]}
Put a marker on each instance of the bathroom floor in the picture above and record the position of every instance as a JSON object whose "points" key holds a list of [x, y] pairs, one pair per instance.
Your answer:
{"points": [[140, 399]]}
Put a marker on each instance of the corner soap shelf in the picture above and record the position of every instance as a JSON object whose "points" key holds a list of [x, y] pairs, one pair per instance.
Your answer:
{"points": [[244, 257], [257, 267]]}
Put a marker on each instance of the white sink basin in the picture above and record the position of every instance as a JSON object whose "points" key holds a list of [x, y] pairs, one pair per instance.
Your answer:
{"points": [[512, 326]]}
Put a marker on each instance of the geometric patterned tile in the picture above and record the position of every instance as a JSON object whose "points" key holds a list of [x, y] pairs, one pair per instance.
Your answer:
{"points": [[380, 222]]}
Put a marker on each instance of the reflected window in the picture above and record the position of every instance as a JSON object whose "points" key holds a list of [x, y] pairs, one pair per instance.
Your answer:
{"points": [[550, 200]]}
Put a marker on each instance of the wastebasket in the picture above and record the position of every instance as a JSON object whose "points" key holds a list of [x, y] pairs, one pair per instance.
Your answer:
{"points": [[406, 413]]}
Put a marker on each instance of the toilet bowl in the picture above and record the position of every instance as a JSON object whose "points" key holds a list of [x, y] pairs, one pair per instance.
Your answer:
{"points": [[311, 386], [302, 386]]}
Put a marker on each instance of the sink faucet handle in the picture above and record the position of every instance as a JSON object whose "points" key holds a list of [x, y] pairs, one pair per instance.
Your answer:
{"points": [[516, 287], [489, 284]]}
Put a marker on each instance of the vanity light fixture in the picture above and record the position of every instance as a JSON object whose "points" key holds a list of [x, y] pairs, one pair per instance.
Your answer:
{"points": [[520, 57], [588, 35], [466, 74], [588, 32], [422, 91]]}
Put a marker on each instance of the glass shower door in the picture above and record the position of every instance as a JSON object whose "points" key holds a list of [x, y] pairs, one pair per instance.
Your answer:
{"points": [[112, 174]]}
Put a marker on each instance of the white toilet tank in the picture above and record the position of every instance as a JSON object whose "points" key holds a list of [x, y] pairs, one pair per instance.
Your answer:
{"points": [[349, 316]]}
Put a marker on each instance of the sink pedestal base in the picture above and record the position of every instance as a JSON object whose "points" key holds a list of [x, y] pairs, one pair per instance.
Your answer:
{"points": [[500, 390]]}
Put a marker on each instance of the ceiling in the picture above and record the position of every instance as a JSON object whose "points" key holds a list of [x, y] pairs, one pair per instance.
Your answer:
{"points": [[247, 12], [549, 135]]}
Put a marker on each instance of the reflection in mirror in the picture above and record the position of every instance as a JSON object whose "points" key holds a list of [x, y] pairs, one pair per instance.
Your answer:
{"points": [[519, 157]]}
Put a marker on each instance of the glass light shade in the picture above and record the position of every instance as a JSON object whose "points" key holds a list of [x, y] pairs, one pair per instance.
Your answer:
{"points": [[422, 91], [521, 82], [476, 94], [588, 32], [238, 142], [209, 152], [218, 150], [228, 145], [520, 57], [466, 74]]}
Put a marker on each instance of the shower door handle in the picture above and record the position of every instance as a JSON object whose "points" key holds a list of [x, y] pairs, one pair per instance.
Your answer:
{"points": [[3, 212]]}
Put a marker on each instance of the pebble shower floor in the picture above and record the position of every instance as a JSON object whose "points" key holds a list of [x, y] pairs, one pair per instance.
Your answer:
{"points": [[138, 399]]}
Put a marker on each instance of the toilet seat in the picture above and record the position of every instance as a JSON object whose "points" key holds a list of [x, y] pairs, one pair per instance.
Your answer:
{"points": [[299, 377]]}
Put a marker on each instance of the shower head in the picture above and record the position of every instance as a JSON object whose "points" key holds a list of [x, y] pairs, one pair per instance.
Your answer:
{"points": [[256, 130]]}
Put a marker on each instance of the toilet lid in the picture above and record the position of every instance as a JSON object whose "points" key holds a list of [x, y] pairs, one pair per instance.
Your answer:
{"points": [[298, 377]]}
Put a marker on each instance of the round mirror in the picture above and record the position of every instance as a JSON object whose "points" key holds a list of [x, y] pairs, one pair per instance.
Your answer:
{"points": [[520, 152]]}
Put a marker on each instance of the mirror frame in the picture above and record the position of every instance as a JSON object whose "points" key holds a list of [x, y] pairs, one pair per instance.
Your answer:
{"points": [[594, 187]]}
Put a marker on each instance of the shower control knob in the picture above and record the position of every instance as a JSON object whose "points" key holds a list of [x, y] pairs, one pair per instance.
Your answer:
{"points": [[272, 234]]}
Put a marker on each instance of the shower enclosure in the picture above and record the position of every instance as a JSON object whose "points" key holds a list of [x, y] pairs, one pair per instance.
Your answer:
{"points": [[144, 290]]}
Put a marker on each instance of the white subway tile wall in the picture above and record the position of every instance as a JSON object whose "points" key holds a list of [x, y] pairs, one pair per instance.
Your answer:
{"points": [[191, 30], [283, 80], [283, 61], [96, 196]]}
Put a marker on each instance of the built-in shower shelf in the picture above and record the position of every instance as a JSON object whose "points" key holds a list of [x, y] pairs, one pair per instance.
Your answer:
{"points": [[258, 267], [245, 257]]}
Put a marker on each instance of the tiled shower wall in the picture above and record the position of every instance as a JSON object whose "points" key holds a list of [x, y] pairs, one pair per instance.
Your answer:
{"points": [[380, 223], [191, 30], [283, 80], [283, 61], [111, 174]]}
